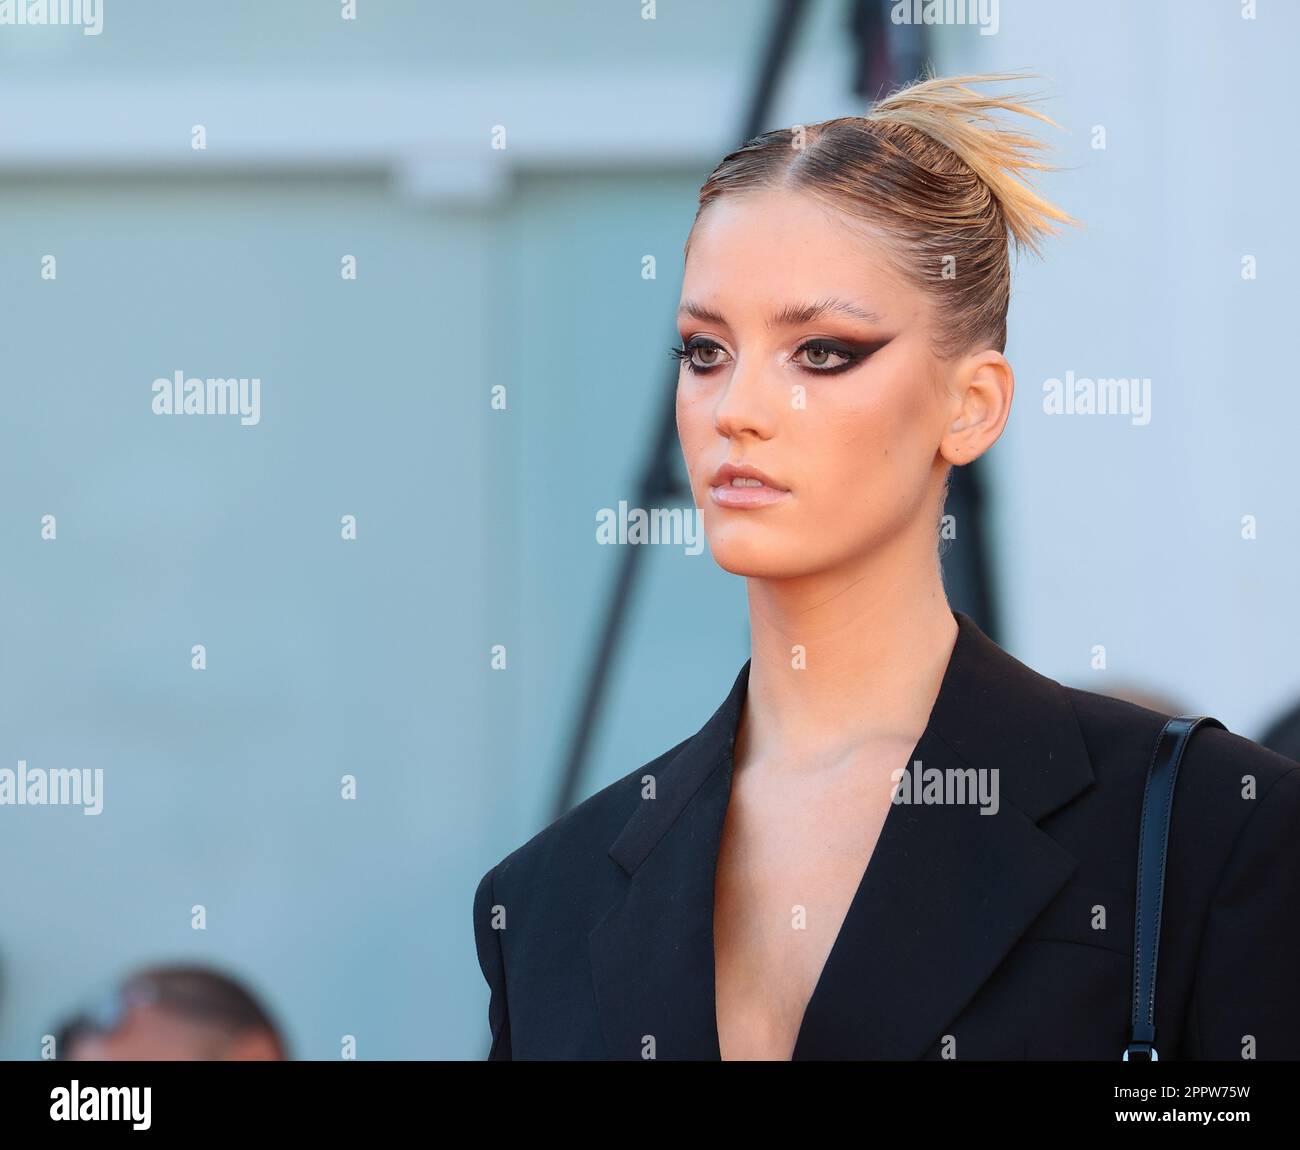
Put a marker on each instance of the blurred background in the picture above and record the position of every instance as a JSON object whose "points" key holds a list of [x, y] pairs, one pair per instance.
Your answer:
{"points": [[310, 749]]}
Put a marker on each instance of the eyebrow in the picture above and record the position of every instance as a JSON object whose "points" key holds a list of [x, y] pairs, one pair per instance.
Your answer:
{"points": [[792, 315]]}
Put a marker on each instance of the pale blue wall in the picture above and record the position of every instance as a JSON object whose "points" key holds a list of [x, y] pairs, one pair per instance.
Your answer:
{"points": [[476, 527], [1130, 536]]}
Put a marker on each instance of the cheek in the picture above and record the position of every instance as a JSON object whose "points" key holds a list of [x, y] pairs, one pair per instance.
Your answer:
{"points": [[694, 429], [874, 435]]}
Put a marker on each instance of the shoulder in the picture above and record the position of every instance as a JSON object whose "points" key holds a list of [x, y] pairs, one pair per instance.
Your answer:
{"points": [[1224, 782], [1120, 734]]}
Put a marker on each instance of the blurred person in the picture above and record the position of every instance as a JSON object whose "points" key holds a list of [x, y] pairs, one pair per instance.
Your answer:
{"points": [[1147, 697], [173, 1013], [1281, 735]]}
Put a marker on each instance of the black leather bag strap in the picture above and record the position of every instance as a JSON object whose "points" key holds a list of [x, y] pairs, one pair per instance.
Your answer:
{"points": [[1153, 845]]}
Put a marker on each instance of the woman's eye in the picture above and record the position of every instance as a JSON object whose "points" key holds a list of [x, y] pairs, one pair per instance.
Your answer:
{"points": [[702, 357], [710, 356], [820, 357]]}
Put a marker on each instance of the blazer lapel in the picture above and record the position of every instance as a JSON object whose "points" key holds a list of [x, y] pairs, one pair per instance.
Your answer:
{"points": [[946, 894], [652, 954]]}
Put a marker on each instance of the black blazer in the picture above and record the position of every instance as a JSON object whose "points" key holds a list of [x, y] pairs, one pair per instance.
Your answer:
{"points": [[970, 935]]}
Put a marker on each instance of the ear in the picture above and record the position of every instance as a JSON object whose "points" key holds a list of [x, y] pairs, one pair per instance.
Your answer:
{"points": [[981, 386]]}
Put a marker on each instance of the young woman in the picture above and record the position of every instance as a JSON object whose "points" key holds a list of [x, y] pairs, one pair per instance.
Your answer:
{"points": [[892, 840]]}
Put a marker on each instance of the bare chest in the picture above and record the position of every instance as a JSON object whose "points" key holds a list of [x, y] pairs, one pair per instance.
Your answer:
{"points": [[788, 869]]}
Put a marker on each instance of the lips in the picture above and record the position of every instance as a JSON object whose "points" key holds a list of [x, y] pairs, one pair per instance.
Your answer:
{"points": [[742, 485], [744, 471]]}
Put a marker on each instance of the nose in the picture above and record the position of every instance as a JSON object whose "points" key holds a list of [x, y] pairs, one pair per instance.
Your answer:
{"points": [[748, 405]]}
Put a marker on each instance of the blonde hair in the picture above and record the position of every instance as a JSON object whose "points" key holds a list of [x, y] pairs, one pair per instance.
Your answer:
{"points": [[929, 168]]}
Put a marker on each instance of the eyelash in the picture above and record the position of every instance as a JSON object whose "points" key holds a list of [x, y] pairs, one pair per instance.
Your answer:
{"points": [[851, 358]]}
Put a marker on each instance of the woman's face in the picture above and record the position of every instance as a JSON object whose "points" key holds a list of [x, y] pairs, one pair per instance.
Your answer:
{"points": [[844, 410]]}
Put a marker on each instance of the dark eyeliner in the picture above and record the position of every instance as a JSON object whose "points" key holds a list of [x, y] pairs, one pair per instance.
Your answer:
{"points": [[852, 353], [852, 356]]}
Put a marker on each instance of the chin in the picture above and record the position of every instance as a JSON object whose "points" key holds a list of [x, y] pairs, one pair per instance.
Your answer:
{"points": [[747, 553]]}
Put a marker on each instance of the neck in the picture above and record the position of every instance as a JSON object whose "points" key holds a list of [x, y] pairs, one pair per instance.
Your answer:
{"points": [[846, 658]]}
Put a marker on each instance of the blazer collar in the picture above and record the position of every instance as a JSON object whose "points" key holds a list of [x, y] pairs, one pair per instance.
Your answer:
{"points": [[946, 893]]}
